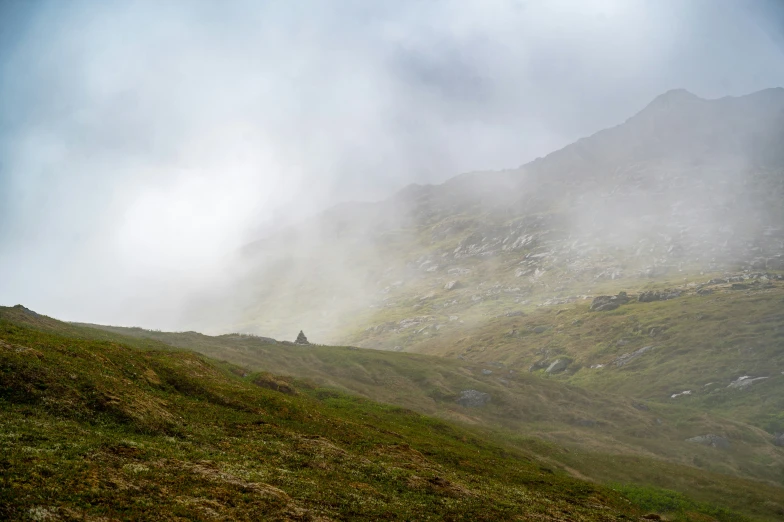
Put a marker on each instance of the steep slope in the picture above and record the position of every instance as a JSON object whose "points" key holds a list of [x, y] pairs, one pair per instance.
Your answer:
{"points": [[685, 186]]}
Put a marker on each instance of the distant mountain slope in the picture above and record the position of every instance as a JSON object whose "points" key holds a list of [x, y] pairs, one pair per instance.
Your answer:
{"points": [[685, 186]]}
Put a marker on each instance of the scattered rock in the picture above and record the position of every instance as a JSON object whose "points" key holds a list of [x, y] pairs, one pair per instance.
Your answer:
{"points": [[540, 329], [487, 372], [778, 439], [397, 349], [640, 406], [739, 286], [712, 440], [558, 365], [676, 395], [473, 398], [515, 313]]}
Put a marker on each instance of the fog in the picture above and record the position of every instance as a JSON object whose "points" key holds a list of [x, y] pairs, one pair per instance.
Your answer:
{"points": [[143, 145]]}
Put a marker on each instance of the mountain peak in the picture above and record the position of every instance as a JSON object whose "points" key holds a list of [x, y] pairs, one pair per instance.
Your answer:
{"points": [[674, 97]]}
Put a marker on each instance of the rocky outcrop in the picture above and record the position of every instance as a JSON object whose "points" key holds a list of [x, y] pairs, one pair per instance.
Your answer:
{"points": [[604, 303], [473, 398], [711, 440]]}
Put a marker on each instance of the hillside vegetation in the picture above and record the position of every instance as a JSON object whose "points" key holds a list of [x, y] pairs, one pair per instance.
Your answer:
{"points": [[97, 430]]}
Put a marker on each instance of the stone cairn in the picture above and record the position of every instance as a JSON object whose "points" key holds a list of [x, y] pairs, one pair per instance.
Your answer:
{"points": [[301, 339]]}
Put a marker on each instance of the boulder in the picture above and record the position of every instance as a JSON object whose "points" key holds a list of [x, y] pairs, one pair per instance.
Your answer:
{"points": [[473, 398], [778, 439], [558, 365], [711, 440], [604, 303]]}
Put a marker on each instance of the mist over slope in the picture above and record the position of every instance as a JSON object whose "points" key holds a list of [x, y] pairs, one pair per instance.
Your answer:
{"points": [[685, 186]]}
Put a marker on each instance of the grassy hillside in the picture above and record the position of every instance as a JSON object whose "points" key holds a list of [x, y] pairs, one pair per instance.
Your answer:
{"points": [[96, 430], [597, 435]]}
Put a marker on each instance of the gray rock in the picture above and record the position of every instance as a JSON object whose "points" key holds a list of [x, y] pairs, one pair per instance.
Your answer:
{"points": [[778, 439], [487, 372], [741, 383], [473, 398], [711, 440], [629, 357], [540, 329], [605, 303], [558, 365]]}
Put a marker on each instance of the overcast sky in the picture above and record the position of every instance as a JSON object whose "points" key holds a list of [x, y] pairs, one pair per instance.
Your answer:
{"points": [[142, 142]]}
